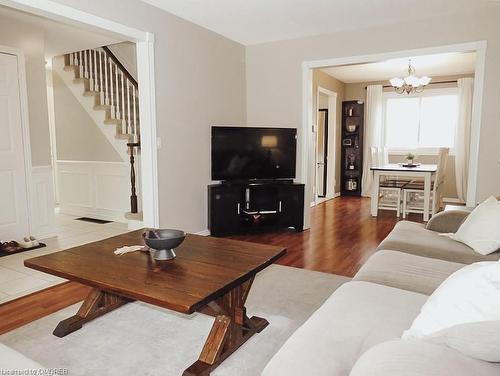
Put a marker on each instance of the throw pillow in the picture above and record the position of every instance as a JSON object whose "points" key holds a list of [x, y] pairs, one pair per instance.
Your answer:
{"points": [[470, 295], [481, 229]]}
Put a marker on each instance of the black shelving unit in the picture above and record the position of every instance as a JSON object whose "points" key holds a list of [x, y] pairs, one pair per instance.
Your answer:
{"points": [[353, 114]]}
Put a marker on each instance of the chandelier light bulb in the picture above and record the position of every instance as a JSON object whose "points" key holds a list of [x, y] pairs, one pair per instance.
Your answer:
{"points": [[411, 83]]}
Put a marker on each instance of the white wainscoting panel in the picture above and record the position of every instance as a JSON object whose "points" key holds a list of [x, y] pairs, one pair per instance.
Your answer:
{"points": [[42, 196], [94, 189]]}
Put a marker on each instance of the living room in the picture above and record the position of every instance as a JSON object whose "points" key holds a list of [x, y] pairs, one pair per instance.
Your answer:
{"points": [[199, 68]]}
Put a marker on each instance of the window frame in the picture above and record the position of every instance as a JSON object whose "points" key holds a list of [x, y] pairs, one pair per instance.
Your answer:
{"points": [[426, 93]]}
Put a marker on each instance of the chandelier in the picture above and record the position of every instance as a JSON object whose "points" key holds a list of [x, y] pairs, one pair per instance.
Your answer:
{"points": [[411, 83]]}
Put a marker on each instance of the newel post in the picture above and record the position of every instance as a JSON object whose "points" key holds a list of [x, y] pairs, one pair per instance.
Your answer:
{"points": [[133, 194]]}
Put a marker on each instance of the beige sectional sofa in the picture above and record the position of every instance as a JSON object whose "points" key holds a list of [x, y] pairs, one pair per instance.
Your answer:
{"points": [[357, 330]]}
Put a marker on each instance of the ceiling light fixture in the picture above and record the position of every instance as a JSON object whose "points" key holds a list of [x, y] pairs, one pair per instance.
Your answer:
{"points": [[411, 83]]}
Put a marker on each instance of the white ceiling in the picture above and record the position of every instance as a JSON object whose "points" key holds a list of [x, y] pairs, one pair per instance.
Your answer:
{"points": [[429, 65], [259, 21], [60, 38]]}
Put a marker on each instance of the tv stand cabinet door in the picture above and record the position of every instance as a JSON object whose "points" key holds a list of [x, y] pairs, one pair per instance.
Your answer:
{"points": [[292, 206], [224, 208]]}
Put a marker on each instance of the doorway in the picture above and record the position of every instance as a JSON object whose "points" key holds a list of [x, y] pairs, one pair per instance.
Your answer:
{"points": [[145, 71], [309, 115], [322, 153], [324, 146]]}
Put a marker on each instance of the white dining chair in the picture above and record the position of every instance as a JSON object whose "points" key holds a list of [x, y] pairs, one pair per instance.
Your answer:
{"points": [[413, 192], [390, 188]]}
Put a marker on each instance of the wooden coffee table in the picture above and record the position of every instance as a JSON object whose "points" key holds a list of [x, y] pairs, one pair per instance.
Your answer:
{"points": [[210, 275]]}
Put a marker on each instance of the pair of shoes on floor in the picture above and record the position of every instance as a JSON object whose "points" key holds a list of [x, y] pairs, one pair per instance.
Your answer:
{"points": [[29, 242], [9, 247]]}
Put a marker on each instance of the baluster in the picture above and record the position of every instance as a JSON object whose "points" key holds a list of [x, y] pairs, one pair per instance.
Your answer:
{"points": [[129, 127], [101, 88], [106, 84], [113, 113], [136, 138], [71, 58], [123, 103], [80, 65], [117, 110], [85, 64], [96, 80], [91, 80]]}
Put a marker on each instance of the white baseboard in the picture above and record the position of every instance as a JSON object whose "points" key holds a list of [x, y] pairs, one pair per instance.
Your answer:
{"points": [[203, 232]]}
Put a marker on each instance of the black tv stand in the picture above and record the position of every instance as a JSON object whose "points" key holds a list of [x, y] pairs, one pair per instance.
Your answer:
{"points": [[257, 182], [255, 206]]}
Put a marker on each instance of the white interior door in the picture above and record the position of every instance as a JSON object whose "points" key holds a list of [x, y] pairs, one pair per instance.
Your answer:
{"points": [[14, 222]]}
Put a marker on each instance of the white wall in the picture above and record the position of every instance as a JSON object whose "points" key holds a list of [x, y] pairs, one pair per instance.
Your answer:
{"points": [[274, 70], [94, 189], [200, 81], [42, 199], [126, 53], [78, 138]]}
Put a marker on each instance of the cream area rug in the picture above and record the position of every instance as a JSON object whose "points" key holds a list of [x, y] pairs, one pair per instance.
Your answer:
{"points": [[141, 339]]}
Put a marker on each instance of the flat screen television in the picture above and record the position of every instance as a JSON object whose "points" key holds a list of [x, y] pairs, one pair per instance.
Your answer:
{"points": [[253, 153]]}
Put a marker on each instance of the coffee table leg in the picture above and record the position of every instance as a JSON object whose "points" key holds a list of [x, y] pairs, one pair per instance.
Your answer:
{"points": [[231, 329], [96, 304]]}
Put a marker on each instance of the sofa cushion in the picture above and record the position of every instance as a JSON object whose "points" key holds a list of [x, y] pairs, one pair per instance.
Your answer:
{"points": [[414, 238], [12, 360], [447, 221], [481, 229], [357, 316], [419, 358], [471, 294], [406, 271]]}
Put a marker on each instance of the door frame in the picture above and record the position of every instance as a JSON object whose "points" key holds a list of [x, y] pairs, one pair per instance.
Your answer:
{"points": [[23, 101], [326, 153], [144, 41], [332, 141], [308, 116]]}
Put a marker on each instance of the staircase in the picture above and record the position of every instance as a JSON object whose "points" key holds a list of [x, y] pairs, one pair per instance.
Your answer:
{"points": [[110, 95]]}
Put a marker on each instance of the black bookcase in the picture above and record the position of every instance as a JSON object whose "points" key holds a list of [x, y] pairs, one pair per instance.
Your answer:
{"points": [[238, 208], [353, 113]]}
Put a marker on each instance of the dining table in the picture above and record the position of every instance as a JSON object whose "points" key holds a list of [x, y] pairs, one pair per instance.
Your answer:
{"points": [[425, 171]]}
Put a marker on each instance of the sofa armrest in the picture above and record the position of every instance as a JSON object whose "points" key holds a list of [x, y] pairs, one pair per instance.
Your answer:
{"points": [[447, 221]]}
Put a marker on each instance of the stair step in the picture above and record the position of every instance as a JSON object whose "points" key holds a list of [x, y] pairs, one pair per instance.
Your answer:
{"points": [[89, 93], [69, 68], [122, 136], [102, 107], [112, 121]]}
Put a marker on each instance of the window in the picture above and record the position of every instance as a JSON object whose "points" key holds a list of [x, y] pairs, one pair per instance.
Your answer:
{"points": [[423, 121]]}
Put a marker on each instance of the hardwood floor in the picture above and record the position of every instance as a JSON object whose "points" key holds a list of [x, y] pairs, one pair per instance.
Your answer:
{"points": [[341, 238], [26, 309]]}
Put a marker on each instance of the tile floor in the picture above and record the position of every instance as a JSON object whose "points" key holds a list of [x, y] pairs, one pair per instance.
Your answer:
{"points": [[16, 280]]}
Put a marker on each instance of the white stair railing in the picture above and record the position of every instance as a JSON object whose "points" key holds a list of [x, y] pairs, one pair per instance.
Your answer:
{"points": [[115, 91], [114, 88]]}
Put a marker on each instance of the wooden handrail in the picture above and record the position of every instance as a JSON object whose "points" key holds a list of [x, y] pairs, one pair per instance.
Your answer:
{"points": [[120, 65]]}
